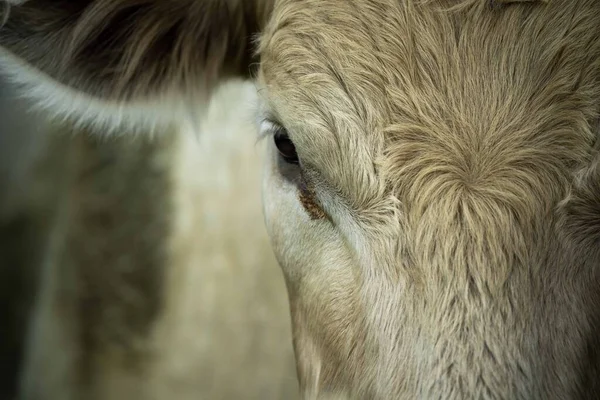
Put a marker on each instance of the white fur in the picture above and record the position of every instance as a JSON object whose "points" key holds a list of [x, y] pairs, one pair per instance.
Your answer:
{"points": [[64, 103]]}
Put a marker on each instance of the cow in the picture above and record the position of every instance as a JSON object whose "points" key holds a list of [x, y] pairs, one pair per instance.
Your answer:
{"points": [[126, 274], [432, 192]]}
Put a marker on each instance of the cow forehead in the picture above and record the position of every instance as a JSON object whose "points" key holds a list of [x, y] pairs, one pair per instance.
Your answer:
{"points": [[478, 96], [378, 53], [331, 49], [322, 63]]}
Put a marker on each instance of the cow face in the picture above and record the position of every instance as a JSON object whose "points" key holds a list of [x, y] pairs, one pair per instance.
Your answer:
{"points": [[431, 192]]}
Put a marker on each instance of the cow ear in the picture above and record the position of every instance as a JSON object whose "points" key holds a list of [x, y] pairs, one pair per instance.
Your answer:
{"points": [[134, 62], [520, 1]]}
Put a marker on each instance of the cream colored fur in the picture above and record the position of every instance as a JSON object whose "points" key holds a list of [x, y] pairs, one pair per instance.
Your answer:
{"points": [[69, 106], [440, 236]]}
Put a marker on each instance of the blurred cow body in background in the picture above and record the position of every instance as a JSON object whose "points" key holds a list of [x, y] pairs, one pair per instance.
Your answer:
{"points": [[139, 269]]}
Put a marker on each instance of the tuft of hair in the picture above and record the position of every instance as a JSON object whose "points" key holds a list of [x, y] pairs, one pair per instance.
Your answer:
{"points": [[133, 64]]}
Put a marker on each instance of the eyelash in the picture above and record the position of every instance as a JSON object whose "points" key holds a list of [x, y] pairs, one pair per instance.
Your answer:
{"points": [[268, 127]]}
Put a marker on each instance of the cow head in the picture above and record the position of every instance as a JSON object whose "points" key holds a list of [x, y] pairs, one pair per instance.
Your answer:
{"points": [[432, 187]]}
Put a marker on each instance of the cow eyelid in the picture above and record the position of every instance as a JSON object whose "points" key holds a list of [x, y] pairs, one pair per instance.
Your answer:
{"points": [[268, 126]]}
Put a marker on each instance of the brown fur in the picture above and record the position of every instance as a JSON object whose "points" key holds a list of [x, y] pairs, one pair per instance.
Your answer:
{"points": [[160, 45], [453, 144]]}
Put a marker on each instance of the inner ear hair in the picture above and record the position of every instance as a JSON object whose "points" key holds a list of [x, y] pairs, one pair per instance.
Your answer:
{"points": [[111, 62], [518, 1]]}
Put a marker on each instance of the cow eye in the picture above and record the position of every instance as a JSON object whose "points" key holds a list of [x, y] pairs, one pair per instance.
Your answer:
{"points": [[286, 147]]}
